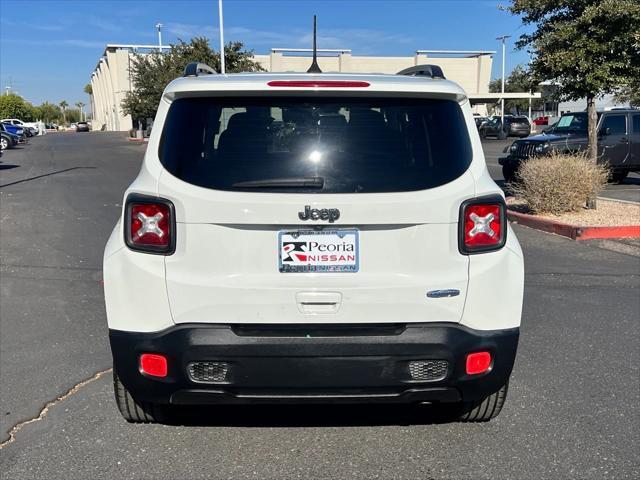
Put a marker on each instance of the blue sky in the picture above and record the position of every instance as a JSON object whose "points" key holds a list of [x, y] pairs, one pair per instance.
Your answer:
{"points": [[48, 50]]}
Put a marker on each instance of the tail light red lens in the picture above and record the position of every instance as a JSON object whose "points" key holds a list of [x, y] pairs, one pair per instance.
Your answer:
{"points": [[478, 362], [149, 224], [483, 226], [154, 364]]}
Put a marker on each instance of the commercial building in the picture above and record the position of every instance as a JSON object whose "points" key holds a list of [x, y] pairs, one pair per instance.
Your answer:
{"points": [[471, 69], [110, 82]]}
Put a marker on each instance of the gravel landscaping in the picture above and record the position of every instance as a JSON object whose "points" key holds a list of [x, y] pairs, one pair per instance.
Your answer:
{"points": [[609, 213]]}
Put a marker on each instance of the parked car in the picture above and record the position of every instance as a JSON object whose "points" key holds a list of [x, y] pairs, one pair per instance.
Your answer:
{"points": [[618, 142], [30, 128], [541, 121], [8, 139], [480, 121], [514, 126], [16, 130], [82, 127], [304, 256]]}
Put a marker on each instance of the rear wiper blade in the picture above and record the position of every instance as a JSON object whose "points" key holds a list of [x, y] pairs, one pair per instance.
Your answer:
{"points": [[294, 182]]}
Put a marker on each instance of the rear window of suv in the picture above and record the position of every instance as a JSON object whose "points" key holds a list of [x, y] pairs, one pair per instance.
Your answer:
{"points": [[320, 145]]}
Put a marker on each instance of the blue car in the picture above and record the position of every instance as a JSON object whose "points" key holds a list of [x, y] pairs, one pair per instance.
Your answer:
{"points": [[8, 139], [15, 130]]}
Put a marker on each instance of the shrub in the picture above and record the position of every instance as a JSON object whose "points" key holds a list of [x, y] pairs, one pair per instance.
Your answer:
{"points": [[559, 183]]}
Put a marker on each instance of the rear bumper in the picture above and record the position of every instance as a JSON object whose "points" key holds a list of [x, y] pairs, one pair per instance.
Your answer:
{"points": [[314, 363]]}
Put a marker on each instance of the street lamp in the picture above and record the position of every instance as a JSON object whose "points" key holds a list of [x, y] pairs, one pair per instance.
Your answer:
{"points": [[503, 38], [159, 27]]}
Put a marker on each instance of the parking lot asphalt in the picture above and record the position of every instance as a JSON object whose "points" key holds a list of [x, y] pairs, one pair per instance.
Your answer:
{"points": [[572, 410], [628, 190]]}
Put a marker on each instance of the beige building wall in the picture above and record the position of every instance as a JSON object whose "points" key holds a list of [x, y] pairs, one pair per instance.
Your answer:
{"points": [[111, 80], [471, 70]]}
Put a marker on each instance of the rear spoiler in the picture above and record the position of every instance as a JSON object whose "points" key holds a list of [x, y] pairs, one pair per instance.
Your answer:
{"points": [[426, 70]]}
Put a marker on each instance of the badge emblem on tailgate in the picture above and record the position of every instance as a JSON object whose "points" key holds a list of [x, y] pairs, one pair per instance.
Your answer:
{"points": [[331, 214]]}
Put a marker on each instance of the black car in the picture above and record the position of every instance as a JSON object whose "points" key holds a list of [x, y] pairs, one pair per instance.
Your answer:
{"points": [[480, 121], [618, 142], [514, 126]]}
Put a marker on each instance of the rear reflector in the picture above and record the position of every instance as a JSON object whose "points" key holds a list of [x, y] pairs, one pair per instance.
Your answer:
{"points": [[318, 84], [483, 225], [153, 364], [478, 362]]}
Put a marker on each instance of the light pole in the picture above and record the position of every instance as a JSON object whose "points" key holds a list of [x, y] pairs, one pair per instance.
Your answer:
{"points": [[159, 27], [504, 50], [222, 66]]}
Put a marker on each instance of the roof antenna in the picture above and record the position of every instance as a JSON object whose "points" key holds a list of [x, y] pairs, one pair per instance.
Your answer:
{"points": [[314, 68]]}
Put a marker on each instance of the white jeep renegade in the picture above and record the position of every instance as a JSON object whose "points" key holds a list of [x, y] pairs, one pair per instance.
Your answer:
{"points": [[313, 238]]}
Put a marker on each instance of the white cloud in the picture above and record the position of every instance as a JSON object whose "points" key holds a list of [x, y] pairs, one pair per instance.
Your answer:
{"points": [[69, 42], [361, 41], [35, 26]]}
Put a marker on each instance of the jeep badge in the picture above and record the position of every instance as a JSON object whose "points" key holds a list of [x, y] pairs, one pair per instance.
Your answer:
{"points": [[331, 214]]}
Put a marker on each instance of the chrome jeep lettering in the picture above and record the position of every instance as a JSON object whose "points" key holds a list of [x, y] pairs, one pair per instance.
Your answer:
{"points": [[331, 214]]}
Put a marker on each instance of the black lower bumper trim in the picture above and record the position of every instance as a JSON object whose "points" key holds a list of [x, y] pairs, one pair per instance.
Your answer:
{"points": [[411, 395], [342, 364]]}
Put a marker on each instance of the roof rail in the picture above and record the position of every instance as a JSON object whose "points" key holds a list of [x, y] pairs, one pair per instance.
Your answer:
{"points": [[426, 70], [195, 69]]}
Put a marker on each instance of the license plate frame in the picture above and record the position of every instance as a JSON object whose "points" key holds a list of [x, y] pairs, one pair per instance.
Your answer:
{"points": [[300, 235]]}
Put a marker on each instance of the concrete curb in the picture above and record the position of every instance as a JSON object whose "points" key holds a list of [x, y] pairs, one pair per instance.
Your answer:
{"points": [[573, 231]]}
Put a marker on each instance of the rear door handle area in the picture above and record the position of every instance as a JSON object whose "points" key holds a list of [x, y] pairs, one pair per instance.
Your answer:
{"points": [[318, 303]]}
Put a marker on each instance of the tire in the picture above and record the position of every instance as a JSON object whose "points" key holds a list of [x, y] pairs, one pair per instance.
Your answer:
{"points": [[509, 173], [138, 412], [485, 409], [618, 176], [502, 135], [4, 143]]}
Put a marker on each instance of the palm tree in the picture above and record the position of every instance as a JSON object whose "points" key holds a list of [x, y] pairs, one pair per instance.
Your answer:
{"points": [[88, 89], [80, 106], [63, 105]]}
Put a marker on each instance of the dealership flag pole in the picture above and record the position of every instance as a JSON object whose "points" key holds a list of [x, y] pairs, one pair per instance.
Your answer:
{"points": [[222, 66]]}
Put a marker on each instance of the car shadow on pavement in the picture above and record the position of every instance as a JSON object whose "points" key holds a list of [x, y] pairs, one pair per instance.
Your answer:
{"points": [[336, 415], [45, 175], [8, 166]]}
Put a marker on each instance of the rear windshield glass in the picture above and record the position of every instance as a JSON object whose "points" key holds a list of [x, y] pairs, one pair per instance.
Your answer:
{"points": [[321, 145]]}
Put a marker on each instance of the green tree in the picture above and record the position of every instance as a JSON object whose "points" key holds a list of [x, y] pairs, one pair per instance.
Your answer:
{"points": [[150, 73], [63, 105], [519, 80], [72, 115], [589, 47], [14, 106], [49, 112], [630, 92], [88, 89]]}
